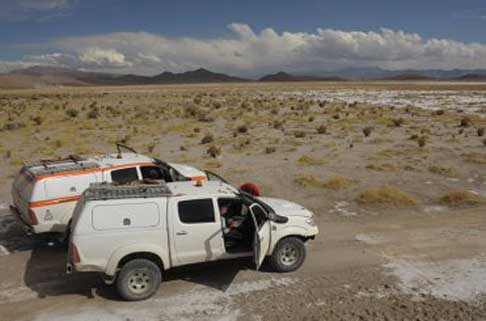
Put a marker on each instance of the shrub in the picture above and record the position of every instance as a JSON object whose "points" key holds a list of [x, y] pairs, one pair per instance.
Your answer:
{"points": [[414, 137], [13, 126], [242, 129], [277, 124], [480, 132], [214, 151], [367, 131], [386, 195], [72, 113], [270, 150], [151, 147], [299, 134], [208, 138], [93, 113], [461, 198], [421, 141], [397, 122], [322, 129], [465, 122], [37, 120]]}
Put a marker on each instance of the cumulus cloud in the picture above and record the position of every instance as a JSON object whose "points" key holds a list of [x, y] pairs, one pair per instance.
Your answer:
{"points": [[249, 53], [103, 58]]}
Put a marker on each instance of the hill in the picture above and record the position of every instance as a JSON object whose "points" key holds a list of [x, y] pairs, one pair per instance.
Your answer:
{"points": [[283, 76]]}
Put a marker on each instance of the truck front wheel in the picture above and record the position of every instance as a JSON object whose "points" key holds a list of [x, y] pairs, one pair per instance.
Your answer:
{"points": [[288, 255], [138, 279]]}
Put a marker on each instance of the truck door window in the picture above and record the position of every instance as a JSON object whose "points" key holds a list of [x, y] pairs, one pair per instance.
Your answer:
{"points": [[260, 215], [151, 172], [125, 175], [196, 211]]}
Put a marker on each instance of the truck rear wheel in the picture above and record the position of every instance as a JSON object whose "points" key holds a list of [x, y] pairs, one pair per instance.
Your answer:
{"points": [[138, 279], [288, 255]]}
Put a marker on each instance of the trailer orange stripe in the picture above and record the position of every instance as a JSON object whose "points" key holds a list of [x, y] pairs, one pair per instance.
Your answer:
{"points": [[55, 201], [91, 170]]}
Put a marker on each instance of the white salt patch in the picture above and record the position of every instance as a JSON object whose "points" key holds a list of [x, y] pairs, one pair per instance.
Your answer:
{"points": [[3, 251], [368, 238], [3, 206], [200, 303], [435, 209], [340, 209], [17, 294], [468, 100], [455, 280], [452, 179]]}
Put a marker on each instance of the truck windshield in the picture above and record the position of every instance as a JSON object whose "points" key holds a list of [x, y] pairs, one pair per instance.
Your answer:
{"points": [[250, 199]]}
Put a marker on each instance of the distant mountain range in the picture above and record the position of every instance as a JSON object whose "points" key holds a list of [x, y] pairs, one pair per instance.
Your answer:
{"points": [[38, 76], [283, 76]]}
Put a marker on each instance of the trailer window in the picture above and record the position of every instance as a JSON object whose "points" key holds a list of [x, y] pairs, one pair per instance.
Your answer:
{"points": [[125, 175], [196, 211]]}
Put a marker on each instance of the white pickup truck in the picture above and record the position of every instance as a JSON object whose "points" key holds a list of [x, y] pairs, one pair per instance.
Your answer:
{"points": [[131, 234], [44, 193]]}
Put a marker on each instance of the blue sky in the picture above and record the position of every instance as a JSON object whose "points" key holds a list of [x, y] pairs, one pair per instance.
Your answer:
{"points": [[242, 37]]}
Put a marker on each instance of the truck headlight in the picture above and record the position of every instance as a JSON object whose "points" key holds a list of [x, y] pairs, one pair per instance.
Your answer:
{"points": [[310, 221]]}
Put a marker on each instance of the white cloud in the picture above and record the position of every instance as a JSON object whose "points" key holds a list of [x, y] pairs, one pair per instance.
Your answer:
{"points": [[45, 4], [103, 58], [36, 9], [247, 52]]}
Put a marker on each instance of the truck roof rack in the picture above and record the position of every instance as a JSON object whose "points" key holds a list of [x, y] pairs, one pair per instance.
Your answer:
{"points": [[52, 167], [104, 191]]}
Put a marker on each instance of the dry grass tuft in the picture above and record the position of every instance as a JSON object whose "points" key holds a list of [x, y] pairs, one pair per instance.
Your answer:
{"points": [[310, 160], [443, 170], [386, 195], [476, 158], [334, 182], [462, 198]]}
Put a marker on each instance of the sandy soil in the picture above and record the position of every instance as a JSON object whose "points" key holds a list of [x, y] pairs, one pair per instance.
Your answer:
{"points": [[418, 253]]}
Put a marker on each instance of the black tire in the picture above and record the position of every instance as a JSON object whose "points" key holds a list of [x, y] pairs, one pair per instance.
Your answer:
{"points": [[138, 279], [288, 255]]}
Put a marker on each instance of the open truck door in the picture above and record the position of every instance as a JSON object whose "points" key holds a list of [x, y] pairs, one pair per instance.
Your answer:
{"points": [[261, 240]]}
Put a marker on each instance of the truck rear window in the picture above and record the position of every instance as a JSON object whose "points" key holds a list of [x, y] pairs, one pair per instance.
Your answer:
{"points": [[196, 211]]}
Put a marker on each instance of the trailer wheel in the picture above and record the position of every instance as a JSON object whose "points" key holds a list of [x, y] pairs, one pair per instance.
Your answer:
{"points": [[288, 255], [138, 279]]}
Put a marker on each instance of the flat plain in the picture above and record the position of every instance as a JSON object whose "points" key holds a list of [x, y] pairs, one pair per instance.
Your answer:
{"points": [[395, 173]]}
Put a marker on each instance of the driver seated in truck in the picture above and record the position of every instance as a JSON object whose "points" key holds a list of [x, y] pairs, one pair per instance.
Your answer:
{"points": [[229, 225]]}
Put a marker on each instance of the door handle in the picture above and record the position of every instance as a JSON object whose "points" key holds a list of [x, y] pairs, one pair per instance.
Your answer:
{"points": [[181, 233]]}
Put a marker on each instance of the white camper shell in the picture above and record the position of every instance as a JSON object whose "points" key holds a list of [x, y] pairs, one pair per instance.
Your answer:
{"points": [[45, 192], [131, 234]]}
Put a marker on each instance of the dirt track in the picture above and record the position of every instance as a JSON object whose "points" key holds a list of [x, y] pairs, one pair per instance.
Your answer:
{"points": [[420, 266]]}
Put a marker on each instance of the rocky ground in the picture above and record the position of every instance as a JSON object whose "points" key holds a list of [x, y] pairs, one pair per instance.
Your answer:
{"points": [[398, 191]]}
